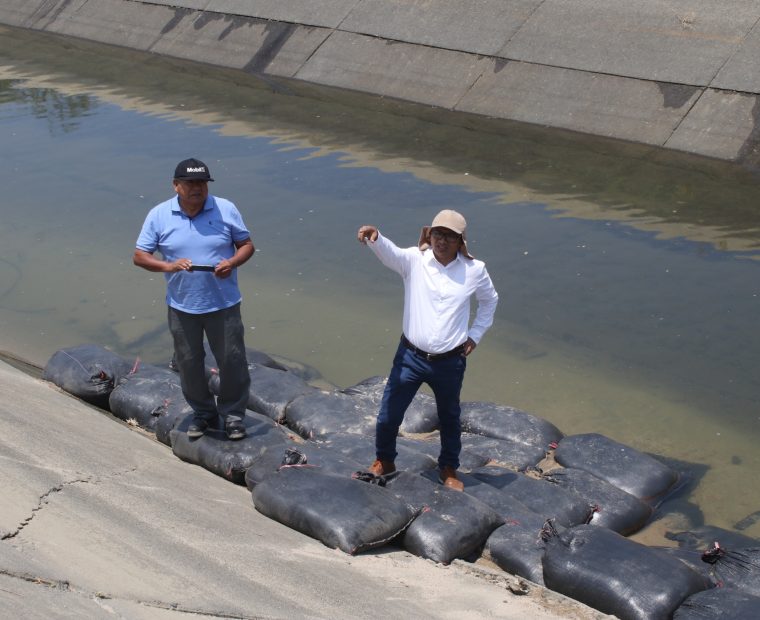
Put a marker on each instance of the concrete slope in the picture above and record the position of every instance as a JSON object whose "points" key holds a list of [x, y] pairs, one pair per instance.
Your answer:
{"points": [[99, 520], [666, 74]]}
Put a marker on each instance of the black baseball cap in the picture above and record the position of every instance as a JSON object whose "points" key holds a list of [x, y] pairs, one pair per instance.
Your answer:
{"points": [[192, 169]]}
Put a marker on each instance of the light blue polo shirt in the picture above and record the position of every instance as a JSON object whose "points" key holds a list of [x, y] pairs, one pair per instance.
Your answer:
{"points": [[206, 239]]}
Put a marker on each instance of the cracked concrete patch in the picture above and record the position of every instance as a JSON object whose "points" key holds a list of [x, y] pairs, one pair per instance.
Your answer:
{"points": [[24, 481], [44, 499]]}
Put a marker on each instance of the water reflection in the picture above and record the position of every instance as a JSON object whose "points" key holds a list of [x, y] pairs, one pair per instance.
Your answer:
{"points": [[62, 113], [666, 192], [627, 305]]}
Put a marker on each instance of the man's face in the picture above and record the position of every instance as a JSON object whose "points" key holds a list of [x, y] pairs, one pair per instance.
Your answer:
{"points": [[192, 193], [445, 244]]}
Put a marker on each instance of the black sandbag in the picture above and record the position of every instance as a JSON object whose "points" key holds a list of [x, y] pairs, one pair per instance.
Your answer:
{"points": [[622, 466], [420, 417], [320, 412], [141, 400], [305, 453], [253, 356], [517, 547], [270, 391], [613, 508], [503, 452], [735, 568], [339, 511], [719, 604], [176, 413], [361, 448], [504, 422], [431, 446], [450, 525], [541, 496], [222, 456], [702, 538], [147, 394], [151, 371], [690, 557], [616, 575], [87, 371]]}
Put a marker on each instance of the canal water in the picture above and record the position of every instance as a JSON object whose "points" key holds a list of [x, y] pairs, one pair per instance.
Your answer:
{"points": [[629, 277]]}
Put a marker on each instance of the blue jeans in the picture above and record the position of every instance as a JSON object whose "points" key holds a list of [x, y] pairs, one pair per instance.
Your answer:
{"points": [[409, 372], [224, 330]]}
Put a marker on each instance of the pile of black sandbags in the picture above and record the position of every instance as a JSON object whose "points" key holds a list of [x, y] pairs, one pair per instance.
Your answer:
{"points": [[551, 508]]}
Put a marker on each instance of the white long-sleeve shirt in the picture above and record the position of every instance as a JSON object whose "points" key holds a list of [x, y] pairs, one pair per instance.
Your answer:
{"points": [[437, 297]]}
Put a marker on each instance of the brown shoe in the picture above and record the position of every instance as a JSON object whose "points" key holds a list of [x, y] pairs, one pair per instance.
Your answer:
{"points": [[448, 478], [381, 468]]}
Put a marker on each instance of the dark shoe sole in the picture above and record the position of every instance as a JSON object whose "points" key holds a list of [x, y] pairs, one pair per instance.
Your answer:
{"points": [[235, 434], [197, 429]]}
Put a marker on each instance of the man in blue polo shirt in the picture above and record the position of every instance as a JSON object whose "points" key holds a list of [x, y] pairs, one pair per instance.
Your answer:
{"points": [[202, 241]]}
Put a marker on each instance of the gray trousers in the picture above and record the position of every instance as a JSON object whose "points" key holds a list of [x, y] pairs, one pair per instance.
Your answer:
{"points": [[224, 331]]}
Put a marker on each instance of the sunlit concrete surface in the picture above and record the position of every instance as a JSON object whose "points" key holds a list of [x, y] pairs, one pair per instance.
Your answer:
{"points": [[644, 71]]}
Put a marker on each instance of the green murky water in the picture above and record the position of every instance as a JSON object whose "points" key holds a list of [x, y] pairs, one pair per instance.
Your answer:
{"points": [[629, 278]]}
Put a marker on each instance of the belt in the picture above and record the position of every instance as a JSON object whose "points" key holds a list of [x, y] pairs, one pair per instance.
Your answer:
{"points": [[431, 357]]}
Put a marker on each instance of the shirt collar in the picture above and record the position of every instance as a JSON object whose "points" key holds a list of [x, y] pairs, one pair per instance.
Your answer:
{"points": [[429, 256], [206, 206]]}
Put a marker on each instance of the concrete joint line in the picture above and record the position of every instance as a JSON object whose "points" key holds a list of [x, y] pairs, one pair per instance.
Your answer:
{"points": [[377, 37], [200, 612], [41, 503], [97, 597], [348, 14], [314, 51], [50, 583], [525, 21], [466, 92], [685, 115], [733, 54]]}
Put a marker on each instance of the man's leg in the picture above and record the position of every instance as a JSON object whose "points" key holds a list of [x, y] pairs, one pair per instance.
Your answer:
{"points": [[225, 332], [187, 332], [446, 382], [402, 385]]}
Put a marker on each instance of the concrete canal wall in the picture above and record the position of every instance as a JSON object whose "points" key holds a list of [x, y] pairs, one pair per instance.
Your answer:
{"points": [[680, 75]]}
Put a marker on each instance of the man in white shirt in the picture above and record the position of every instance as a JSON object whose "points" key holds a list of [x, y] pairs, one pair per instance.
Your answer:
{"points": [[440, 276]]}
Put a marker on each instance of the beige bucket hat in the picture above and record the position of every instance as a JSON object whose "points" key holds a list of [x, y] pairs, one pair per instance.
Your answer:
{"points": [[446, 219]]}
